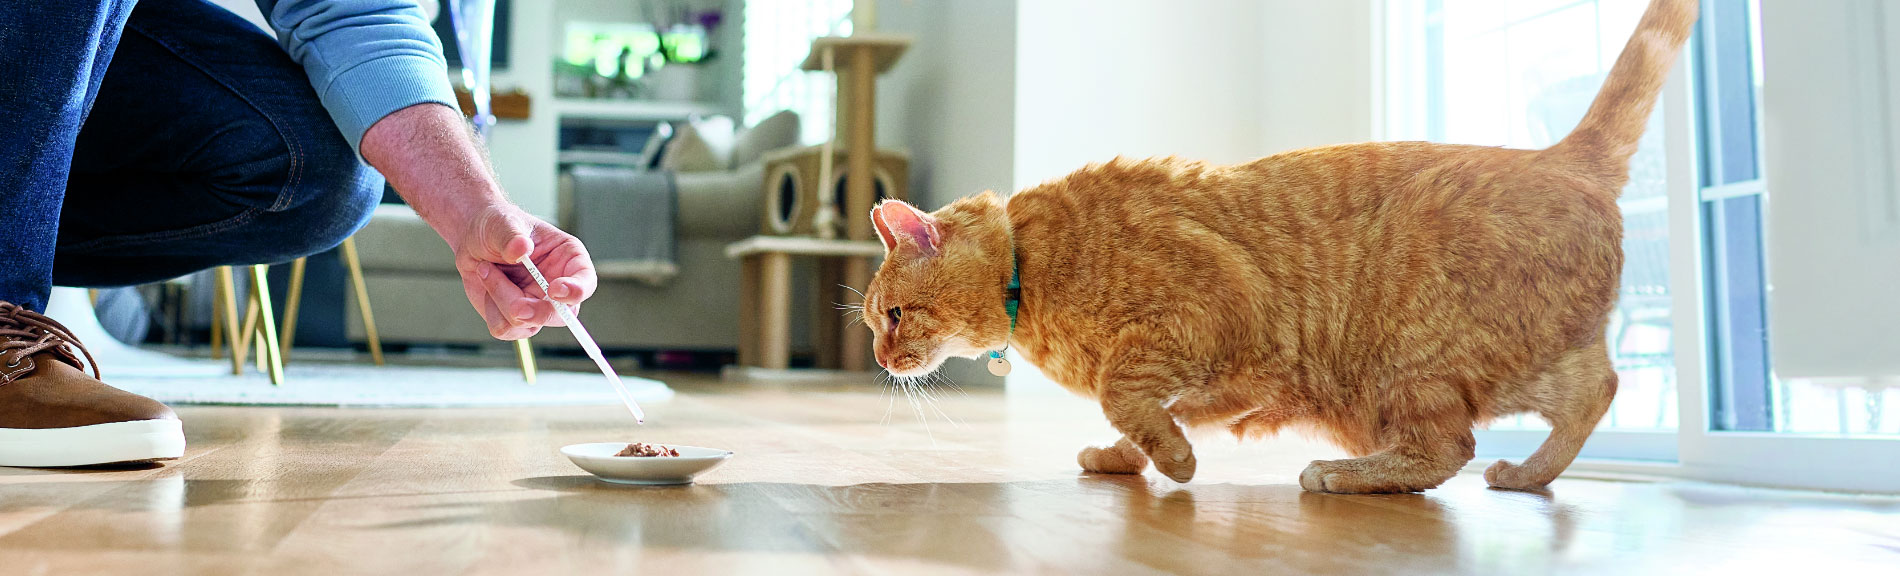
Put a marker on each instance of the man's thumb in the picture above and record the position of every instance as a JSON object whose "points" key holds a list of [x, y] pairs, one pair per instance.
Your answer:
{"points": [[508, 238]]}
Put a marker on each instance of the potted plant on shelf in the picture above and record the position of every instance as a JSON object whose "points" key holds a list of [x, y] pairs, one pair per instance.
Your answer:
{"points": [[658, 59], [684, 36]]}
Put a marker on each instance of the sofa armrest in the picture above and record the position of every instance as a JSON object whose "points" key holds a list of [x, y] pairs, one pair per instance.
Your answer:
{"points": [[722, 204]]}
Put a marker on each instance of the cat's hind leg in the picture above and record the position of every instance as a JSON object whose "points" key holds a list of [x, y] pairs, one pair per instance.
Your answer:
{"points": [[1572, 396], [1123, 457], [1427, 439]]}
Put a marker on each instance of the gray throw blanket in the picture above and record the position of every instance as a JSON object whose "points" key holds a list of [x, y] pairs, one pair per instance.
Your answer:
{"points": [[625, 216]]}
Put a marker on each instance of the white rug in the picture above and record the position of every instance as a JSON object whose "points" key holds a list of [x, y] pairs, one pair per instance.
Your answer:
{"points": [[358, 385]]}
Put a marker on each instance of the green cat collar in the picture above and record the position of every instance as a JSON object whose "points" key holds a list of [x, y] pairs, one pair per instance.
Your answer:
{"points": [[1013, 295], [1012, 299]]}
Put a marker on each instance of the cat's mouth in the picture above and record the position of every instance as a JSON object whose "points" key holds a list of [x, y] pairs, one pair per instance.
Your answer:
{"points": [[914, 364]]}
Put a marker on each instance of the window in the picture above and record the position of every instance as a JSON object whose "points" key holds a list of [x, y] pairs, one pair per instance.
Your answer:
{"points": [[778, 36], [1693, 308]]}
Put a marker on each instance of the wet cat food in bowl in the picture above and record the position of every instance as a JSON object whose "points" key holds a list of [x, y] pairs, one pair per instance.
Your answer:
{"points": [[644, 464], [643, 450]]}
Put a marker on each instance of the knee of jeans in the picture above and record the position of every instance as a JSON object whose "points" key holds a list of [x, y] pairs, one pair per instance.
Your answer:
{"points": [[339, 205]]}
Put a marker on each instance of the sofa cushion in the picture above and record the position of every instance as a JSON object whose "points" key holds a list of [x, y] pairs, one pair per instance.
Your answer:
{"points": [[700, 145], [396, 239], [774, 132]]}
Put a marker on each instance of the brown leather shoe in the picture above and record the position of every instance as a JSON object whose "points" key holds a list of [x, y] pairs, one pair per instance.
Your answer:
{"points": [[52, 413]]}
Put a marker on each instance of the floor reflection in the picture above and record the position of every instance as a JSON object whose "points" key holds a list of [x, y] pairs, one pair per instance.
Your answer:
{"points": [[1104, 521]]}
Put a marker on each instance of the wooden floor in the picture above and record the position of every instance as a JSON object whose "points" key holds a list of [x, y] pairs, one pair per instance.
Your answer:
{"points": [[846, 479]]}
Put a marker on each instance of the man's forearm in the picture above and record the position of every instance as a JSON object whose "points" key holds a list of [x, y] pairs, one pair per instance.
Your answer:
{"points": [[430, 157]]}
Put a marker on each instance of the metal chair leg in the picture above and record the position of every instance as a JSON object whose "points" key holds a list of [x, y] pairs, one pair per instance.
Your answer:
{"points": [[259, 354], [525, 354], [292, 301], [227, 301], [362, 300], [260, 287], [242, 346], [217, 320]]}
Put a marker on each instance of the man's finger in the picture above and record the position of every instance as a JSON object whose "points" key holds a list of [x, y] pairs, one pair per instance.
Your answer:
{"points": [[512, 305], [484, 306], [578, 280]]}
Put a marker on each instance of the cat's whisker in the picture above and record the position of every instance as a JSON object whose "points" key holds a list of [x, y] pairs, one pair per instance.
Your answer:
{"points": [[923, 386], [944, 379], [929, 382], [916, 406], [919, 398], [890, 394]]}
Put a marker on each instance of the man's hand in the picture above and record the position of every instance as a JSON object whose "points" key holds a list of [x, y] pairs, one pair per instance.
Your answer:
{"points": [[502, 291], [430, 157]]}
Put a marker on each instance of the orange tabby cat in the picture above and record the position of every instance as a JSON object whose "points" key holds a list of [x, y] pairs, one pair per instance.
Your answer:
{"points": [[1386, 295]]}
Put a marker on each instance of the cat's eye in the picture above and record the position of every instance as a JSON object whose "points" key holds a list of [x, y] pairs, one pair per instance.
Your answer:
{"points": [[895, 314]]}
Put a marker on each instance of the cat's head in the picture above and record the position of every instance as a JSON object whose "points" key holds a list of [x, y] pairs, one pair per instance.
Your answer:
{"points": [[940, 291]]}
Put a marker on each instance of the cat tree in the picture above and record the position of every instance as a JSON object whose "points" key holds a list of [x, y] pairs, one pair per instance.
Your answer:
{"points": [[765, 326]]}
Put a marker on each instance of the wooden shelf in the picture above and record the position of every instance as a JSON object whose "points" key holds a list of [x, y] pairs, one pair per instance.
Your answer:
{"points": [[648, 110], [510, 105]]}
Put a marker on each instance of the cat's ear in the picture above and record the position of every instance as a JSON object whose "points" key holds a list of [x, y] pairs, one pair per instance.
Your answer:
{"points": [[898, 222]]}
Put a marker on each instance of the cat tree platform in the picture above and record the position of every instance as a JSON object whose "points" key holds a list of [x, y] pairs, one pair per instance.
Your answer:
{"points": [[765, 301]]}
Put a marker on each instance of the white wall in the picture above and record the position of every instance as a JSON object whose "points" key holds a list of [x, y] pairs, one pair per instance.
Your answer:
{"points": [[1097, 79], [951, 101], [1317, 73], [1218, 80], [522, 150]]}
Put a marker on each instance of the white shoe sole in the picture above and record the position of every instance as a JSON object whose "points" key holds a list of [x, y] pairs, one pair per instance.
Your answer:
{"points": [[109, 443]]}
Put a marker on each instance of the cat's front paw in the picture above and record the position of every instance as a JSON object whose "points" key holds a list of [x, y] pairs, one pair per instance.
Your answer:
{"points": [[1115, 459], [1178, 466]]}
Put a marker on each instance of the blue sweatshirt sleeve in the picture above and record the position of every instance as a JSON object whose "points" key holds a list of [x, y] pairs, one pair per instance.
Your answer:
{"points": [[366, 58]]}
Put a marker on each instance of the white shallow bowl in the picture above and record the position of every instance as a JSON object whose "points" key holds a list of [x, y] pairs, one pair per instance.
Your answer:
{"points": [[598, 459]]}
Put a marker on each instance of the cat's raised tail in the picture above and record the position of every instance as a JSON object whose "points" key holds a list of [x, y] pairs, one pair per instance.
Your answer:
{"points": [[1610, 130]]}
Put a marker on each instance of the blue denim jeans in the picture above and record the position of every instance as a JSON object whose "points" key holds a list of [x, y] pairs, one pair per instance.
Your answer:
{"points": [[140, 144]]}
